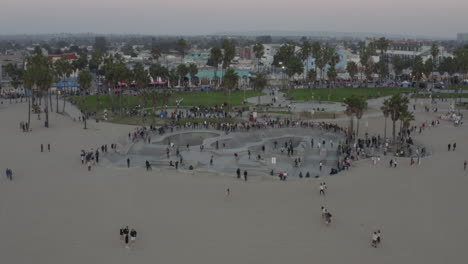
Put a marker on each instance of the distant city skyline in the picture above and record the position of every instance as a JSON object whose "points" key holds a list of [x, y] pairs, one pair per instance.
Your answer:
{"points": [[185, 17]]}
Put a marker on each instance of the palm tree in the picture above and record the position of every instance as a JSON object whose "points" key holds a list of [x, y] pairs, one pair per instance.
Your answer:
{"points": [[182, 46], [156, 52], [386, 112], [306, 50], [192, 70], [352, 69], [312, 76], [230, 80], [259, 51], [316, 51], [229, 53], [355, 106], [397, 105], [40, 72], [260, 82], [156, 70], [63, 69], [215, 57], [182, 71], [434, 53], [406, 118], [140, 76], [84, 79]]}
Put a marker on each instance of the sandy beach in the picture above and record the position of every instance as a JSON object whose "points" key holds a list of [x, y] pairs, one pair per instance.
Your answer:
{"points": [[55, 211]]}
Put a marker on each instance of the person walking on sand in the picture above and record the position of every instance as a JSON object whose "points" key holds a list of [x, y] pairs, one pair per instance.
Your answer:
{"points": [[133, 235], [449, 147], [454, 146], [128, 162], [148, 165], [42, 148], [126, 241], [238, 172], [464, 165], [322, 189], [324, 211], [320, 165], [328, 217], [245, 175], [228, 192], [211, 160], [121, 232], [374, 239], [48, 147]]}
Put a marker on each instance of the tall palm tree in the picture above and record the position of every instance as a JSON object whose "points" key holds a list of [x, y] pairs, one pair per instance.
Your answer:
{"points": [[260, 82], [259, 51], [398, 104], [306, 50], [215, 57], [434, 53], [355, 106], [230, 80], [229, 53], [192, 70], [156, 52], [63, 69], [386, 112], [182, 46], [84, 79], [182, 71], [406, 118]]}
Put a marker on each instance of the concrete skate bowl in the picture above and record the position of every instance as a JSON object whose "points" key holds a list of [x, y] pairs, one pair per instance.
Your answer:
{"points": [[191, 138], [238, 141]]}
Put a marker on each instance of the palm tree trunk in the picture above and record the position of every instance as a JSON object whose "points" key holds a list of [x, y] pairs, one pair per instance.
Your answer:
{"points": [[357, 129], [29, 110], [393, 132], [63, 98], [46, 110], [56, 97], [385, 129], [50, 100]]}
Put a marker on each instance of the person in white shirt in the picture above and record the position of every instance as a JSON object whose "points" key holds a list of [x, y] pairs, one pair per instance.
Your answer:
{"points": [[374, 239]]}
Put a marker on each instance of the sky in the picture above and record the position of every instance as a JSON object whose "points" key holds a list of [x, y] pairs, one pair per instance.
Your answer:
{"points": [[199, 17]]}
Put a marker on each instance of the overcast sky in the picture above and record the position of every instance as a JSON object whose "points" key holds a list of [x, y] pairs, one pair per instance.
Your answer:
{"points": [[420, 17]]}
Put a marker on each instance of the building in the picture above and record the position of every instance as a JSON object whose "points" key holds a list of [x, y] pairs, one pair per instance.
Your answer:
{"points": [[245, 53], [6, 58], [412, 49], [462, 37]]}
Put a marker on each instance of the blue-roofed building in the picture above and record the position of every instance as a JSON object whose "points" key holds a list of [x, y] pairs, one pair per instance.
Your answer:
{"points": [[67, 83]]}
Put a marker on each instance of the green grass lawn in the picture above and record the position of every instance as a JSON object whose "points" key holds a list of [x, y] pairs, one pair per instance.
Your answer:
{"points": [[95, 103], [338, 94], [440, 95], [457, 87]]}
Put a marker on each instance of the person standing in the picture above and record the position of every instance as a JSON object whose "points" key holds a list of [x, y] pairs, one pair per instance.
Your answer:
{"points": [[133, 235], [238, 173], [97, 156], [320, 164], [211, 160], [454, 146], [128, 162], [464, 165], [42, 148], [449, 147], [245, 175], [48, 147], [322, 189], [374, 239]]}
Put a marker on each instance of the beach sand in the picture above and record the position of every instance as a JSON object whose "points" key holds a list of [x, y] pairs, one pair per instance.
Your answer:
{"points": [[55, 211]]}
